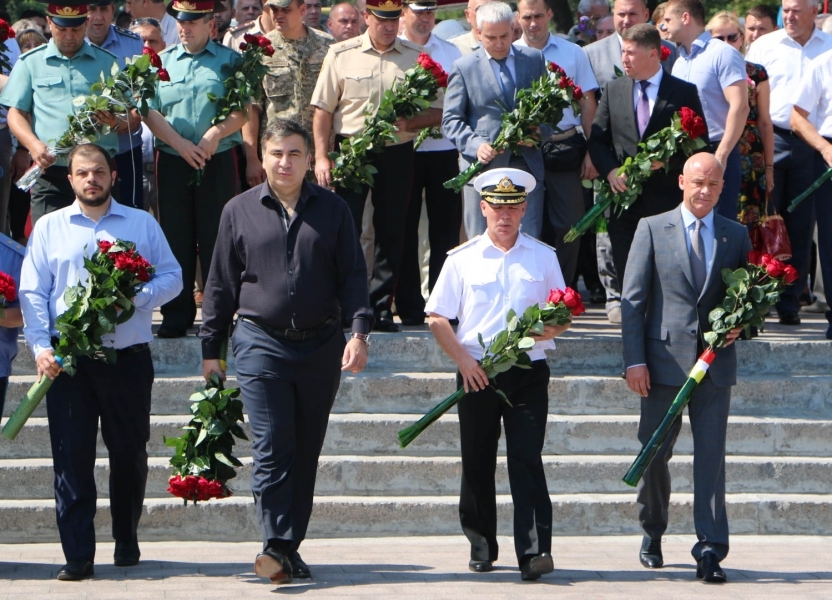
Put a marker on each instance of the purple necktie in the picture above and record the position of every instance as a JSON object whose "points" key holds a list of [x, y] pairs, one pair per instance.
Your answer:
{"points": [[643, 108]]}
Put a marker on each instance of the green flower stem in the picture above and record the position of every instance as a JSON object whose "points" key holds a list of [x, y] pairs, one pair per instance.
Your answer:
{"points": [[27, 406], [591, 216], [457, 183], [821, 180]]}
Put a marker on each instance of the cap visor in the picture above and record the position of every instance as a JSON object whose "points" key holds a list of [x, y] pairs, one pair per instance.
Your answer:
{"points": [[68, 21]]}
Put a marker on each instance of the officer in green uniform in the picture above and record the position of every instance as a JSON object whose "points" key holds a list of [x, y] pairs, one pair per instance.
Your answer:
{"points": [[187, 142], [39, 96]]}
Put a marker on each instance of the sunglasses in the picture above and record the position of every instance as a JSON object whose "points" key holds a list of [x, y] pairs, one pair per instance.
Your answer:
{"points": [[145, 21], [728, 38]]}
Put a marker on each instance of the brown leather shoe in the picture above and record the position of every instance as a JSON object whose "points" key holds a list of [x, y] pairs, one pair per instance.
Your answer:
{"points": [[273, 566]]}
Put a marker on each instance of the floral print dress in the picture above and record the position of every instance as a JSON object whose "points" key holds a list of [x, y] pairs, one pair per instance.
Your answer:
{"points": [[753, 190]]}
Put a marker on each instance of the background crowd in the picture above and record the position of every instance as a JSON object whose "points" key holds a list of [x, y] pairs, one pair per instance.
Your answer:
{"points": [[750, 69]]}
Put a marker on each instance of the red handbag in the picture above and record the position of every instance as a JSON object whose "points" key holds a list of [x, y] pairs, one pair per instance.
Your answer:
{"points": [[769, 236]]}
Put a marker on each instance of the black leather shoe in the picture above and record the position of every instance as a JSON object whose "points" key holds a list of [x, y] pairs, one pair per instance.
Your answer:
{"points": [[273, 566], [126, 555], [708, 569], [532, 569], [481, 566], [170, 332], [651, 553], [386, 325], [789, 319], [300, 570], [76, 570]]}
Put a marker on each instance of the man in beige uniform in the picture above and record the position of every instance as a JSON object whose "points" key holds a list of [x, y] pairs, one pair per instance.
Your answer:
{"points": [[469, 42], [259, 26], [356, 73]]}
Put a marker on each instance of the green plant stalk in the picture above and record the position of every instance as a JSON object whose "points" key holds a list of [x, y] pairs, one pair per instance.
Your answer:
{"points": [[28, 405], [591, 216], [812, 188]]}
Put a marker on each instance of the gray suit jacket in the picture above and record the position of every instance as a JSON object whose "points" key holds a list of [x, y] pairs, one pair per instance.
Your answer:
{"points": [[605, 57], [474, 105], [662, 317]]}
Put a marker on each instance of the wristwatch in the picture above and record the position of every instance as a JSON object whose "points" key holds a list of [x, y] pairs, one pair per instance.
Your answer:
{"points": [[364, 337]]}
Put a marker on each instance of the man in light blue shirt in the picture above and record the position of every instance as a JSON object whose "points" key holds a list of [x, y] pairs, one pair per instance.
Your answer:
{"points": [[718, 71], [118, 393]]}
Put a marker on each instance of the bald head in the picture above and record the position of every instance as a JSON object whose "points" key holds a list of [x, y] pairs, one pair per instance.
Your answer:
{"points": [[471, 12], [701, 184]]}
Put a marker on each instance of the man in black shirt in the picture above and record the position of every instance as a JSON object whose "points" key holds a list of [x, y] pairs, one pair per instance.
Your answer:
{"points": [[287, 260]]}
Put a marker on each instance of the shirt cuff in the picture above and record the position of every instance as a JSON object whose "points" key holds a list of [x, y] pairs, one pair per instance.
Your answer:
{"points": [[360, 325], [638, 365], [212, 347], [38, 348]]}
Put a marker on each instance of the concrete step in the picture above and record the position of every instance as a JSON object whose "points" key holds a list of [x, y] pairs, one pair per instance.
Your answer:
{"points": [[796, 396], [440, 476], [578, 353], [373, 435], [233, 519]]}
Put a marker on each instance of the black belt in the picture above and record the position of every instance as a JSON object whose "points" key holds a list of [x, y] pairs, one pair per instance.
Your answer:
{"points": [[293, 335], [135, 348], [783, 132]]}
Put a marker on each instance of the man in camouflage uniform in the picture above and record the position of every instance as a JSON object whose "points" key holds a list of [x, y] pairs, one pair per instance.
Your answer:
{"points": [[299, 52]]}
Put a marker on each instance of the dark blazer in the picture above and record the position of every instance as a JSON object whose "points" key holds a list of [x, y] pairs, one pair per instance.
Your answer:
{"points": [[605, 58], [615, 137], [662, 316]]}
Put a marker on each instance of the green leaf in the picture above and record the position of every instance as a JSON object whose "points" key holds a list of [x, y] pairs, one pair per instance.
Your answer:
{"points": [[480, 340], [526, 343], [202, 435], [711, 338]]}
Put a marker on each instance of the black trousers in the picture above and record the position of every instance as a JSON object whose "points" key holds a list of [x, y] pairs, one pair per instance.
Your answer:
{"points": [[4, 386], [444, 209], [525, 425], [288, 389], [119, 395], [391, 192], [130, 172], [189, 215], [51, 192]]}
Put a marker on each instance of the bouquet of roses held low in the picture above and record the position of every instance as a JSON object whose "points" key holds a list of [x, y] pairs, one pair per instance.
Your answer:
{"points": [[351, 168], [750, 293], [116, 272], [685, 134], [203, 461], [6, 32], [8, 292], [543, 103], [508, 349]]}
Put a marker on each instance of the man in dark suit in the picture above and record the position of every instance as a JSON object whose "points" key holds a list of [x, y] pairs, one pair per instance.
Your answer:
{"points": [[481, 87], [673, 281], [632, 109]]}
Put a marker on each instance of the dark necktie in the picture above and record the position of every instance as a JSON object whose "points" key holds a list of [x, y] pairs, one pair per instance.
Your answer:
{"points": [[506, 81], [697, 256], [643, 108]]}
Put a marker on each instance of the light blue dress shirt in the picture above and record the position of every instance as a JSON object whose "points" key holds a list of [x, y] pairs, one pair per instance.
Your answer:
{"points": [[711, 66], [12, 55], [706, 231], [55, 260]]}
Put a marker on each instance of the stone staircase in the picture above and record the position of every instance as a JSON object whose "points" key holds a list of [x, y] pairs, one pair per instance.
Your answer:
{"points": [[779, 468]]}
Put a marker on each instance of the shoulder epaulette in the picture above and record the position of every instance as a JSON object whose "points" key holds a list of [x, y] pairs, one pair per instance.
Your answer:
{"points": [[465, 245], [100, 49], [127, 33], [411, 45], [537, 241], [346, 45], [243, 27]]}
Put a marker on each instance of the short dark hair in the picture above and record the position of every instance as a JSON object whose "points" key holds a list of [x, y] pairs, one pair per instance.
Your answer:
{"points": [[282, 128], [87, 151], [644, 36], [761, 11], [694, 8], [31, 12]]}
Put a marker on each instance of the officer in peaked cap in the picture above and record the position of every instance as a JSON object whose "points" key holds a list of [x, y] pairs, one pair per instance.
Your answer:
{"points": [[480, 281]]}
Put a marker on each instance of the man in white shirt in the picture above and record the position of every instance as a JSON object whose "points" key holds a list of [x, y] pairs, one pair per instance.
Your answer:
{"points": [[566, 166], [499, 270], [155, 9], [811, 121], [435, 162], [786, 55]]}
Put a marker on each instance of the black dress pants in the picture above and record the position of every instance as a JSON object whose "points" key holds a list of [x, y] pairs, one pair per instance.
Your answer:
{"points": [[51, 192], [525, 424], [119, 395], [288, 389], [444, 209], [391, 192], [189, 215]]}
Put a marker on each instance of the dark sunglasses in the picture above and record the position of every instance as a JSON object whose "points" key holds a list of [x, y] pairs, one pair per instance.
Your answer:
{"points": [[728, 38], [145, 21]]}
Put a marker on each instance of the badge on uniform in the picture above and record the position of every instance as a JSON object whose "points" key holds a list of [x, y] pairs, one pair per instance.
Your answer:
{"points": [[504, 186]]}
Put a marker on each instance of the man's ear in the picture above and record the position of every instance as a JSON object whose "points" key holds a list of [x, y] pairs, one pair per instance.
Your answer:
{"points": [[682, 181]]}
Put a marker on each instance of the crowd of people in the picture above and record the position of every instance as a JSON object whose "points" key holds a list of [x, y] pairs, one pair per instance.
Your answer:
{"points": [[248, 223]]}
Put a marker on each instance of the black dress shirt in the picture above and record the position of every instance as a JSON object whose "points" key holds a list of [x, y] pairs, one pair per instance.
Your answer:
{"points": [[286, 279]]}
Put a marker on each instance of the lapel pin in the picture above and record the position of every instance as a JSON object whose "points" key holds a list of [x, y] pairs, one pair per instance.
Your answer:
{"points": [[725, 239]]}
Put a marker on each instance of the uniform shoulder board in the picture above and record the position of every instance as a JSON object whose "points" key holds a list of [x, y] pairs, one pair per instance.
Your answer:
{"points": [[14, 246], [127, 33], [168, 50], [537, 241], [241, 28], [346, 45], [463, 246], [411, 45], [107, 52]]}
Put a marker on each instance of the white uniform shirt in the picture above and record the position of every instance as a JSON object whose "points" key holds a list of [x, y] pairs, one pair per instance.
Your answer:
{"points": [[479, 283], [785, 62], [445, 54], [169, 31], [814, 95], [575, 63]]}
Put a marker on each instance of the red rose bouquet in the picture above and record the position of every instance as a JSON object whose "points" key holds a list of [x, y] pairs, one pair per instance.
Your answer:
{"points": [[685, 134], [6, 32], [543, 103], [664, 54], [750, 293], [203, 461], [116, 272], [8, 292], [508, 349], [351, 166]]}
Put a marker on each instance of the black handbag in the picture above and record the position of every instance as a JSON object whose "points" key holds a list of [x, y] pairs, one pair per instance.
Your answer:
{"points": [[564, 155]]}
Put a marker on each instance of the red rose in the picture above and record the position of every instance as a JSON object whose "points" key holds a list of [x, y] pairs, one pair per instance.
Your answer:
{"points": [[268, 51], [577, 93], [251, 39], [263, 41], [790, 274], [572, 300], [6, 31], [755, 258], [665, 54], [243, 46], [692, 123], [163, 75], [775, 268], [7, 288], [155, 61], [183, 487], [555, 296], [104, 246], [554, 68]]}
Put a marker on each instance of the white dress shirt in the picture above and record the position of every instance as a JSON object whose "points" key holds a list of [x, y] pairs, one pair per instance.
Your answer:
{"points": [[814, 95], [786, 61], [479, 283], [652, 90]]}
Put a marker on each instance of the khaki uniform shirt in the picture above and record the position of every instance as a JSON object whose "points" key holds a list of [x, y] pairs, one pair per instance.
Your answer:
{"points": [[234, 36], [466, 43], [293, 73], [355, 74]]}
